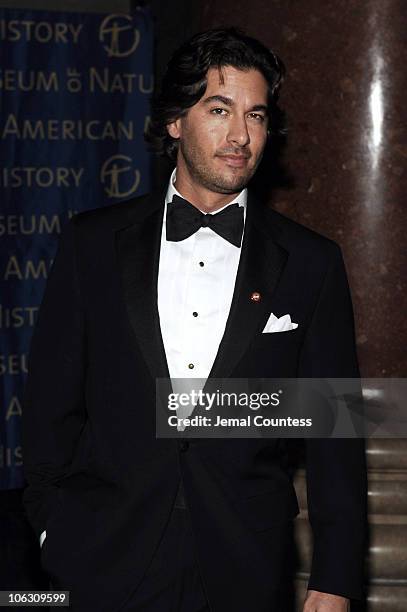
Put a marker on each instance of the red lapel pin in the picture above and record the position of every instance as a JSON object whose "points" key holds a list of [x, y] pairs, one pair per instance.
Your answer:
{"points": [[255, 296]]}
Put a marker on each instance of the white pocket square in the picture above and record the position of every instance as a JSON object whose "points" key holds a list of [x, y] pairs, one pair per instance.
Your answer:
{"points": [[276, 324]]}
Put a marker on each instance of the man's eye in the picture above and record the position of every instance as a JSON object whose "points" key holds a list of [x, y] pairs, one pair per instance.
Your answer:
{"points": [[218, 111], [257, 117]]}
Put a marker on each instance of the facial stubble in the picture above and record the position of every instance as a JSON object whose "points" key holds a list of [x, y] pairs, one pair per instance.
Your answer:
{"points": [[205, 176]]}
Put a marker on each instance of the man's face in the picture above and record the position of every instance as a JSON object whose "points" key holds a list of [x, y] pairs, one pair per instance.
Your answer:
{"points": [[222, 137]]}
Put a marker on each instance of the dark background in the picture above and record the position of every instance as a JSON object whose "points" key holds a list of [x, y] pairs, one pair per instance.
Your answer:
{"points": [[342, 173]]}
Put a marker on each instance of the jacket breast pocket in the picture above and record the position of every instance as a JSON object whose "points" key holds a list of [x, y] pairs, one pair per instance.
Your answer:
{"points": [[274, 355], [290, 335]]}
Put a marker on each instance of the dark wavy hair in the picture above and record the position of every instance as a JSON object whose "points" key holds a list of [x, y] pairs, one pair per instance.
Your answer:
{"points": [[184, 81]]}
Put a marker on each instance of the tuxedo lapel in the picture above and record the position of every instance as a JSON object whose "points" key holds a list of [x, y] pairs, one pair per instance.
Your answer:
{"points": [[138, 252], [261, 264]]}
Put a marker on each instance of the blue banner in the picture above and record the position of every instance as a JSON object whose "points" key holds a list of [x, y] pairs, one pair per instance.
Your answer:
{"points": [[75, 92]]}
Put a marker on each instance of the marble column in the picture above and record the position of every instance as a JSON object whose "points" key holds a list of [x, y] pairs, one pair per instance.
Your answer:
{"points": [[347, 146]]}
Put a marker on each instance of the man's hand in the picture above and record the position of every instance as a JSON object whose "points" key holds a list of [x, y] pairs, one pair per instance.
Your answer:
{"points": [[325, 602]]}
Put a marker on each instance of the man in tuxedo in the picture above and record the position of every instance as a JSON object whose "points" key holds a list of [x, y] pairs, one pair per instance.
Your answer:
{"points": [[181, 283]]}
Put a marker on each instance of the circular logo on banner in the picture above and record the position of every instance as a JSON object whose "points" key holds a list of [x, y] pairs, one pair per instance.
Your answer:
{"points": [[119, 177], [119, 36]]}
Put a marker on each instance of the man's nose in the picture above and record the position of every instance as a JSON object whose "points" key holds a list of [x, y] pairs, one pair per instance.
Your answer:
{"points": [[238, 132]]}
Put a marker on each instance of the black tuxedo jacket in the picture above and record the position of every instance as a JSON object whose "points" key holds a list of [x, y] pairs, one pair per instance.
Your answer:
{"points": [[100, 482]]}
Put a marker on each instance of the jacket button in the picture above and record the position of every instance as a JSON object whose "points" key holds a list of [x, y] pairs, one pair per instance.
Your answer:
{"points": [[184, 445]]}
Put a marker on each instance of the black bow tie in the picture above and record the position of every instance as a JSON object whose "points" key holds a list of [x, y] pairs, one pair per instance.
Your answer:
{"points": [[184, 219]]}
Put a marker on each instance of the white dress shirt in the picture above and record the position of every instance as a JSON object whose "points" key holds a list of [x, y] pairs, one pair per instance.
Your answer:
{"points": [[196, 281]]}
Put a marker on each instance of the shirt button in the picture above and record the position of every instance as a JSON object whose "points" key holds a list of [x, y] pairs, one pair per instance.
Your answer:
{"points": [[201, 263], [195, 314], [191, 366]]}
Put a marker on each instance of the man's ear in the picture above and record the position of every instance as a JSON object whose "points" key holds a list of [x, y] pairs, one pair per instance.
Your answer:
{"points": [[174, 128]]}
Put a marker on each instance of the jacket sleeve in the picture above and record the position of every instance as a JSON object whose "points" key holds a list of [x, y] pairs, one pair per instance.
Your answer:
{"points": [[53, 399], [336, 467]]}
